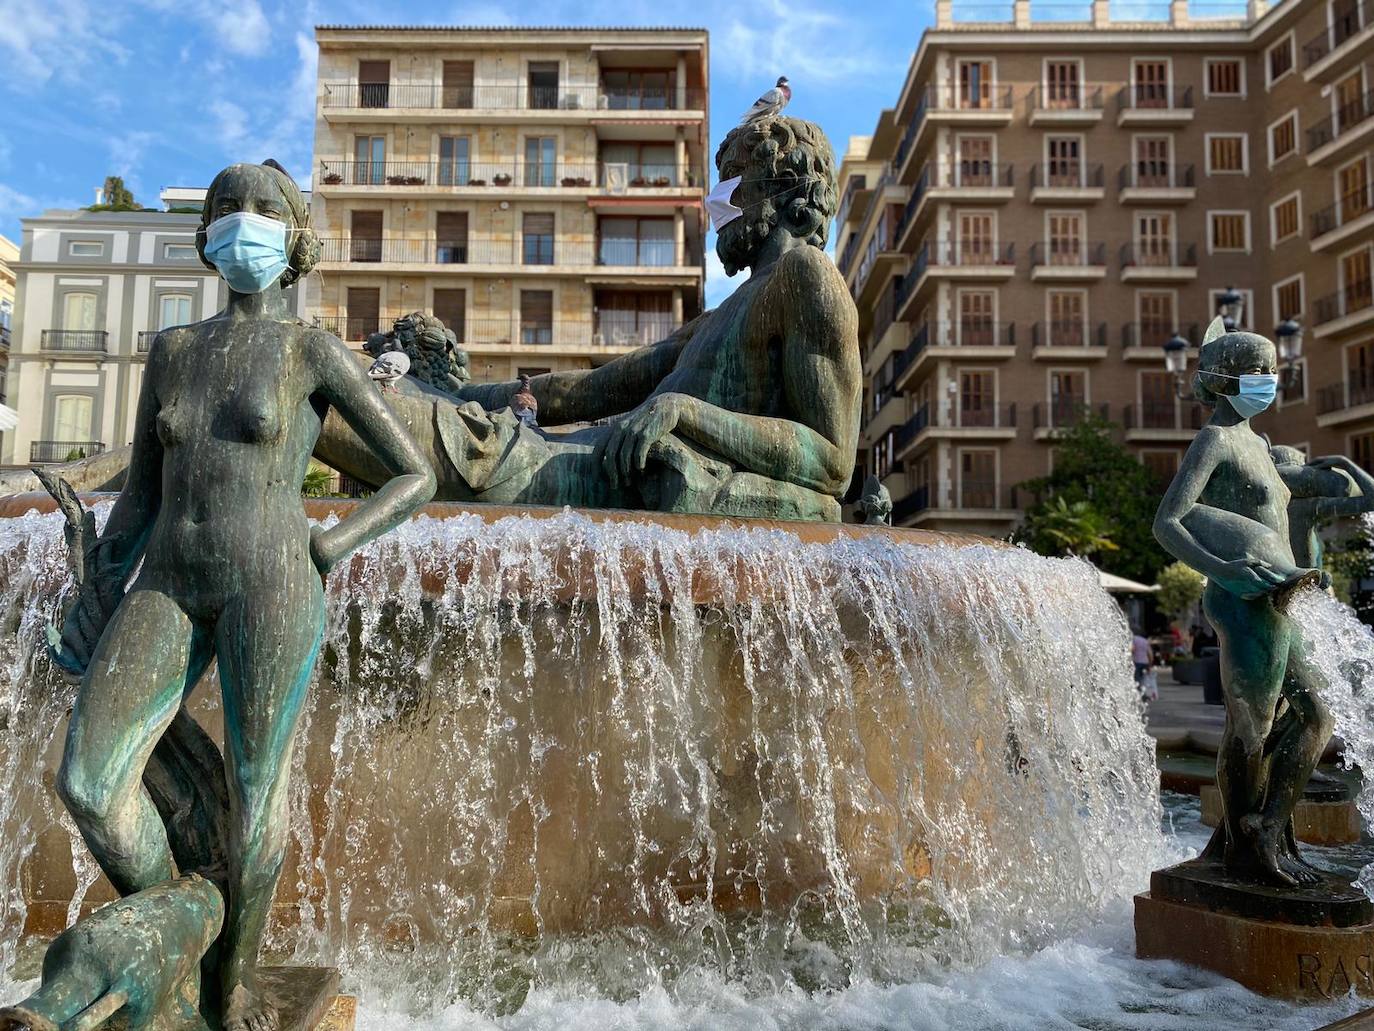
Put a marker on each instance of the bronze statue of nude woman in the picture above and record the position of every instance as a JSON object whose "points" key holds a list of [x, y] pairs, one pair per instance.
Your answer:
{"points": [[229, 412]]}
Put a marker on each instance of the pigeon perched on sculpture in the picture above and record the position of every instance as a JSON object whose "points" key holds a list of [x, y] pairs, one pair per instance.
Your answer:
{"points": [[771, 103], [389, 369]]}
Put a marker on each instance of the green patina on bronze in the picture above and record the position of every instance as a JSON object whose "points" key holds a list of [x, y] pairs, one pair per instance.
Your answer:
{"points": [[1226, 514], [752, 409], [229, 413]]}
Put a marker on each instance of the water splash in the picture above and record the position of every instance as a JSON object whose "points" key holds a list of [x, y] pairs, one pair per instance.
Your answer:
{"points": [[1341, 648], [611, 759]]}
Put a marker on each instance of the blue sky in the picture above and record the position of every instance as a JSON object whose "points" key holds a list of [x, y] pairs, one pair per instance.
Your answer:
{"points": [[167, 92]]}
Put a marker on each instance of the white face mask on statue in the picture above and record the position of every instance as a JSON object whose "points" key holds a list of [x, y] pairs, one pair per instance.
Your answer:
{"points": [[718, 204]]}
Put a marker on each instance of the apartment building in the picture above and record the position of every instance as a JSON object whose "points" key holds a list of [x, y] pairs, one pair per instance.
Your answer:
{"points": [[538, 189], [1048, 203], [93, 289]]}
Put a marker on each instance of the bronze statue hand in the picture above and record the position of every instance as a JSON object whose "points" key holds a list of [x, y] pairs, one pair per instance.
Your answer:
{"points": [[1249, 578], [626, 450]]}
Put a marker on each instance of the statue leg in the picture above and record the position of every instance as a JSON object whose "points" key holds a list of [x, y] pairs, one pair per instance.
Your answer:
{"points": [[130, 694], [267, 644]]}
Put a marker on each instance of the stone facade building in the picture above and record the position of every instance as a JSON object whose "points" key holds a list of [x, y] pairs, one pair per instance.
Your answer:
{"points": [[94, 287], [1047, 203], [538, 189]]}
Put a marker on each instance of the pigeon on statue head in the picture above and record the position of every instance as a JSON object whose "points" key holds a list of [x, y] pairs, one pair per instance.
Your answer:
{"points": [[770, 103]]}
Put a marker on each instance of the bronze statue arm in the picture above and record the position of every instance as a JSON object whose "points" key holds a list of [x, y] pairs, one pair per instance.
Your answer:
{"points": [[341, 381], [584, 395], [1334, 506], [1242, 576]]}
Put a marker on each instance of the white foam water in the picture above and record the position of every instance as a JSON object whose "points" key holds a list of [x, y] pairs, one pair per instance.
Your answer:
{"points": [[929, 771]]}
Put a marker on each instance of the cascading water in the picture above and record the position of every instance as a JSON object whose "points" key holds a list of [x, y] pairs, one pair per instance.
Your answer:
{"points": [[608, 759]]}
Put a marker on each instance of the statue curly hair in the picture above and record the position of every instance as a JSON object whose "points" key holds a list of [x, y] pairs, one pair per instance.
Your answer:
{"points": [[788, 171], [304, 245]]}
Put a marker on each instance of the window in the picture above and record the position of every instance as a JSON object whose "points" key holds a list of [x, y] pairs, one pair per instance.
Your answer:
{"points": [[1359, 374], [369, 160], [451, 237], [975, 238], [85, 248], [1153, 169], [455, 166], [1064, 161], [71, 421], [543, 85], [364, 315], [1163, 467], [1063, 90], [646, 164], [1229, 230], [975, 161], [174, 310], [1150, 83], [975, 84], [1352, 190], [1345, 20], [1280, 59], [1064, 233], [78, 311], [977, 398], [633, 316], [179, 252], [1157, 407], [1285, 218], [978, 479], [1068, 317], [976, 326], [1068, 396], [1355, 280], [451, 308], [457, 84], [637, 91], [1225, 77], [1283, 137], [365, 236], [1154, 238], [1157, 319], [1348, 98], [1362, 450], [540, 160], [374, 83], [1288, 299], [1293, 387], [536, 316], [538, 238], [1226, 153], [636, 241]]}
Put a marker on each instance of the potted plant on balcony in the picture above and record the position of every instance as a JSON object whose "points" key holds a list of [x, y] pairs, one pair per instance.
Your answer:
{"points": [[639, 180], [395, 180], [414, 180], [333, 178], [477, 182], [662, 180], [569, 180], [582, 180], [501, 179]]}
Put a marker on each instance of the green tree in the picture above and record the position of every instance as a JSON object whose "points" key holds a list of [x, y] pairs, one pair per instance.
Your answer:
{"points": [[1091, 466], [116, 197], [1075, 528], [1180, 589], [317, 481]]}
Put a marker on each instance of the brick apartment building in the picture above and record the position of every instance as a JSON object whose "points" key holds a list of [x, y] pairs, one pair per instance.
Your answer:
{"points": [[537, 189], [1048, 203]]}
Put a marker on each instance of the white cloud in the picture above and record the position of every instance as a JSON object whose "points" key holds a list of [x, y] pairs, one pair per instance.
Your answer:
{"points": [[15, 205], [718, 285], [58, 37], [817, 46], [241, 26]]}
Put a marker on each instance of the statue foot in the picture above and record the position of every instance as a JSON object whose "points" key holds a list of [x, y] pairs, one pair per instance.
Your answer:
{"points": [[246, 1009], [18, 1018], [1257, 854]]}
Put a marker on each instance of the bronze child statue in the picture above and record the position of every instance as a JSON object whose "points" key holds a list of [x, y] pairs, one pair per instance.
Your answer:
{"points": [[1226, 515], [228, 415]]}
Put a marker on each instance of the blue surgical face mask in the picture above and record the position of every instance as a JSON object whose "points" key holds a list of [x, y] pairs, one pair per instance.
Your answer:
{"points": [[248, 249], [1257, 392]]}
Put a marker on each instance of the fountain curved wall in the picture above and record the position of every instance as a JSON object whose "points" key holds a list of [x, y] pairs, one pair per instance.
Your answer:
{"points": [[706, 739]]}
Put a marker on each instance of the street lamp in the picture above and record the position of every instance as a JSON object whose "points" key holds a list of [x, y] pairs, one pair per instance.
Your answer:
{"points": [[1176, 361], [1230, 306], [1288, 333]]}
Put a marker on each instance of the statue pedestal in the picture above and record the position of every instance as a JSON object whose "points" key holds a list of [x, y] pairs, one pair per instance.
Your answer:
{"points": [[1296, 943], [1316, 820]]}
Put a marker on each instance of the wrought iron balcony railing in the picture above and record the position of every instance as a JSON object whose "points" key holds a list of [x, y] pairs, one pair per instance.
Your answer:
{"points": [[1348, 208], [509, 97], [1068, 333], [1160, 254], [1344, 24], [74, 340], [1155, 175], [45, 451], [1347, 118], [514, 172], [1063, 176]]}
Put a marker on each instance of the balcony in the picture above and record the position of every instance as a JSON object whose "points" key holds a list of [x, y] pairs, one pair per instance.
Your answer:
{"points": [[855, 185], [622, 331], [1352, 123], [950, 105], [974, 501], [1064, 414], [1057, 184], [145, 340], [1347, 308], [962, 181], [986, 421], [1158, 262], [1058, 341], [1144, 341], [537, 255], [1349, 33], [977, 260], [1150, 106], [1350, 400], [1152, 182], [43, 452], [969, 340], [1163, 421], [1066, 105], [4, 340], [1343, 219], [351, 100], [91, 341], [444, 178], [910, 506], [1068, 261]]}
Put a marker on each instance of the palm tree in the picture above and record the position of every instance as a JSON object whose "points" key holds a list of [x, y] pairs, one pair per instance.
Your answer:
{"points": [[1077, 528]]}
